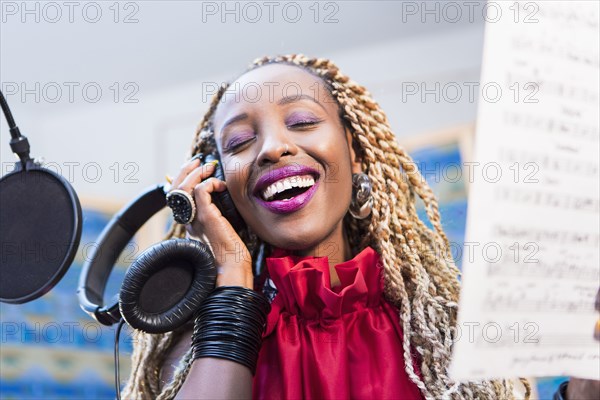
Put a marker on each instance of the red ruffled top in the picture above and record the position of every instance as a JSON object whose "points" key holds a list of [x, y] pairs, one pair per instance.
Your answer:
{"points": [[331, 343]]}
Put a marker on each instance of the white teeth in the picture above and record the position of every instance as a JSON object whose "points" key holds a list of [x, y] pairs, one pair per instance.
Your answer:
{"points": [[287, 183]]}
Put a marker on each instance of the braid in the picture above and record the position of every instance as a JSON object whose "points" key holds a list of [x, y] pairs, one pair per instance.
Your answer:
{"points": [[178, 377], [148, 355], [421, 279]]}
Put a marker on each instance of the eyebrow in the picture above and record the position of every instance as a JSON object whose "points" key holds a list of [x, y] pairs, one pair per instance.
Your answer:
{"points": [[291, 99], [280, 102]]}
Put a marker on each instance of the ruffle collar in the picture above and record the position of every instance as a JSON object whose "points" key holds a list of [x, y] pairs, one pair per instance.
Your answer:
{"points": [[304, 285]]}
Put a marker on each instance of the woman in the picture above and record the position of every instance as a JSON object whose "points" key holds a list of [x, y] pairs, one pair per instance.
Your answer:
{"points": [[294, 110]]}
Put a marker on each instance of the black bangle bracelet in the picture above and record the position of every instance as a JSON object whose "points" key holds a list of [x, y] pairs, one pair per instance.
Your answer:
{"points": [[230, 324]]}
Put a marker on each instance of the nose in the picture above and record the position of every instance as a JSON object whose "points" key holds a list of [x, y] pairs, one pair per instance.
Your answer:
{"points": [[275, 145]]}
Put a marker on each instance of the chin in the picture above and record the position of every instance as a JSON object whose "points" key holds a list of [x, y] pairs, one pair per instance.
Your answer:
{"points": [[294, 241], [297, 239]]}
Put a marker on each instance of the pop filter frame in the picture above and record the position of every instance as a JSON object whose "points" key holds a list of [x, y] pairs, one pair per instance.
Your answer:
{"points": [[35, 202]]}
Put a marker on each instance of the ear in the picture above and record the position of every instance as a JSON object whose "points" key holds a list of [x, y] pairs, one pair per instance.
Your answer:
{"points": [[355, 158]]}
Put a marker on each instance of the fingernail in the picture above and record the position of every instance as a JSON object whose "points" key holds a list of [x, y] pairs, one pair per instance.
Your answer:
{"points": [[597, 330], [215, 162], [169, 179]]}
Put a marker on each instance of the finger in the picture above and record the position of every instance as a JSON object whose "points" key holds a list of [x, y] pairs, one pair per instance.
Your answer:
{"points": [[207, 213], [185, 170], [203, 190], [196, 176]]}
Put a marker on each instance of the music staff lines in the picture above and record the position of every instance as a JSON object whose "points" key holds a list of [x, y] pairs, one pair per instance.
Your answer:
{"points": [[554, 164], [551, 126], [526, 233], [559, 269], [538, 198], [558, 340]]}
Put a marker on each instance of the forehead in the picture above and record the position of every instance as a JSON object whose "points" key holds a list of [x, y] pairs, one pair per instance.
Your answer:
{"points": [[266, 85]]}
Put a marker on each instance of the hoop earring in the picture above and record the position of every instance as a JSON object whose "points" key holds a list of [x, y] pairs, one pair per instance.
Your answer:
{"points": [[362, 200]]}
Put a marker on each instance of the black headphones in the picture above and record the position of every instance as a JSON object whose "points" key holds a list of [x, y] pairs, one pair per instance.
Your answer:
{"points": [[166, 284]]}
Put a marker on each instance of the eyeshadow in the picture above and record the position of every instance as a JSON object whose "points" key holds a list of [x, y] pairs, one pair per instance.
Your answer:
{"points": [[298, 117]]}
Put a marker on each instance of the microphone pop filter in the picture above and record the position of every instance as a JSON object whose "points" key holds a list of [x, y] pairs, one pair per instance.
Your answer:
{"points": [[40, 229]]}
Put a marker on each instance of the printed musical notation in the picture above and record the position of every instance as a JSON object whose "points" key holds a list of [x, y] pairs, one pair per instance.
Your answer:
{"points": [[533, 361], [539, 259], [568, 16], [543, 198], [539, 87], [531, 296], [535, 340], [559, 270], [551, 165], [551, 49], [551, 125], [549, 236]]}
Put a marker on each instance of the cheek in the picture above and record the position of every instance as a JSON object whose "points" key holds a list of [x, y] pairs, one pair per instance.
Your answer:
{"points": [[236, 176], [339, 169], [343, 188]]}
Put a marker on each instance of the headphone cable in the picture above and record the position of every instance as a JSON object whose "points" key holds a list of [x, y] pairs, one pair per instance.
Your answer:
{"points": [[117, 375]]}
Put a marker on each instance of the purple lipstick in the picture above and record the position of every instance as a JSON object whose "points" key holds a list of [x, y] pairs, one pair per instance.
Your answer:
{"points": [[288, 205]]}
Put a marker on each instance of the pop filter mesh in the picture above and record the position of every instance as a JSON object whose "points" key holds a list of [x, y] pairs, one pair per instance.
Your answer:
{"points": [[37, 230]]}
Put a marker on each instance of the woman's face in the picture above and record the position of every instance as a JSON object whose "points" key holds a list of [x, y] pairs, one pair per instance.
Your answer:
{"points": [[296, 199]]}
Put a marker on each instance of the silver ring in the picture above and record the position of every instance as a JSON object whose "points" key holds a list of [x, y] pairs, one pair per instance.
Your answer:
{"points": [[183, 206]]}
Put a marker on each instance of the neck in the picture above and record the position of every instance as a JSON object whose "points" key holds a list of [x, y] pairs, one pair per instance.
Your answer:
{"points": [[335, 246]]}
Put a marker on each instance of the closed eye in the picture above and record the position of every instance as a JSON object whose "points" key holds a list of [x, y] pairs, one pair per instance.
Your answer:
{"points": [[303, 124], [236, 145]]}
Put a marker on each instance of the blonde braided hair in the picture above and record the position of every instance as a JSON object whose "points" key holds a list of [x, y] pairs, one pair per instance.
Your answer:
{"points": [[421, 279]]}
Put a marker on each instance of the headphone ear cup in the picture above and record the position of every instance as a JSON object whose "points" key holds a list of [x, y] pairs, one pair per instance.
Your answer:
{"points": [[223, 200], [166, 284]]}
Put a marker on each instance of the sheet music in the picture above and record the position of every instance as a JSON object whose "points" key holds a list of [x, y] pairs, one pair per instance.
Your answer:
{"points": [[531, 264]]}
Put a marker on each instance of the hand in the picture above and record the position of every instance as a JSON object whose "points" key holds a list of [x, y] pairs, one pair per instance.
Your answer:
{"points": [[586, 389], [231, 254]]}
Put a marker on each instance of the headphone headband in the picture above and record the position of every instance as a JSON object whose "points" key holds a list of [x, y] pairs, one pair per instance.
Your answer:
{"points": [[113, 239]]}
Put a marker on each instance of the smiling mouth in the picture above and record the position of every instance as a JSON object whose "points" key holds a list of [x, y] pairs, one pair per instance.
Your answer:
{"points": [[287, 188]]}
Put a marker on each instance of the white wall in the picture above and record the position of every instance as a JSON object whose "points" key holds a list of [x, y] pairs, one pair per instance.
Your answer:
{"points": [[135, 145]]}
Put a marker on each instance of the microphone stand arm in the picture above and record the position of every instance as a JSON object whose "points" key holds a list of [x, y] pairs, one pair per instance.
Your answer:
{"points": [[18, 143]]}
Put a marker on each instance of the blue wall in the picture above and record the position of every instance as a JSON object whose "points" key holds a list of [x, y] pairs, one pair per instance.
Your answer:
{"points": [[51, 349]]}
